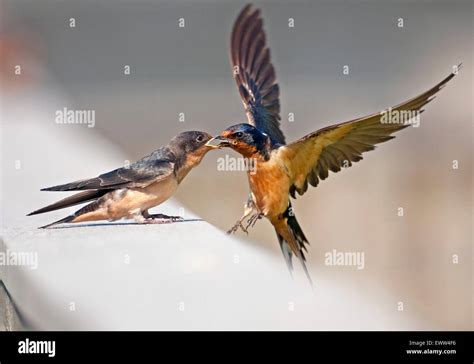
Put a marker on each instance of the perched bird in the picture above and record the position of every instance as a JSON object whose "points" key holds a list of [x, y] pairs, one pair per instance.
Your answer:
{"points": [[281, 170], [129, 192]]}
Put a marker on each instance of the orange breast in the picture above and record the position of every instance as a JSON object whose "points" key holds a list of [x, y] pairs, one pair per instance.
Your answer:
{"points": [[269, 183]]}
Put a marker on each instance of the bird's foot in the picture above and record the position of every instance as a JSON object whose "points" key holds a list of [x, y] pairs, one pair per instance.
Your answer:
{"points": [[249, 207], [253, 219], [161, 219], [238, 225]]}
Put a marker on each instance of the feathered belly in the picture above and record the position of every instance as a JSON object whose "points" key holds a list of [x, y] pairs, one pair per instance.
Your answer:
{"points": [[134, 200], [270, 186], [127, 202]]}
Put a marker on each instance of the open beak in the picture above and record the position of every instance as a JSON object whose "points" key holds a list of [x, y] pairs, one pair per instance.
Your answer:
{"points": [[218, 142]]}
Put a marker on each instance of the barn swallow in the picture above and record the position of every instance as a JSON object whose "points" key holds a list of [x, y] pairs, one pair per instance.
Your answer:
{"points": [[129, 192], [281, 170]]}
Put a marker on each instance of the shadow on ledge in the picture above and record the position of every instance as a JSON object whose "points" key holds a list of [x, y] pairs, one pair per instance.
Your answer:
{"points": [[131, 223]]}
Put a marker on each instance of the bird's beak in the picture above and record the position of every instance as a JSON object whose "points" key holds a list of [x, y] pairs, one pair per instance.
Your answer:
{"points": [[218, 142]]}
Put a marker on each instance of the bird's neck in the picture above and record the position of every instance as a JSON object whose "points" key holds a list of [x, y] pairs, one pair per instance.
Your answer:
{"points": [[187, 162], [262, 149], [259, 149]]}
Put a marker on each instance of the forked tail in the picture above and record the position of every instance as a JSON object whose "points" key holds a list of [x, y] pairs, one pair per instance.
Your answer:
{"points": [[292, 241]]}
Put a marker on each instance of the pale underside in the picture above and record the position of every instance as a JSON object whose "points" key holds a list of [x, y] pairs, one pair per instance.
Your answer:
{"points": [[128, 203]]}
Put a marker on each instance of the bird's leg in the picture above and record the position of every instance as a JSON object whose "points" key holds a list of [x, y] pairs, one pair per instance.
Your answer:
{"points": [[253, 219], [238, 225], [148, 218], [249, 207]]}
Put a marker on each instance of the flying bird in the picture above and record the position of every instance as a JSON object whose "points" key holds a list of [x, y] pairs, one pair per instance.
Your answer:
{"points": [[279, 170], [129, 192]]}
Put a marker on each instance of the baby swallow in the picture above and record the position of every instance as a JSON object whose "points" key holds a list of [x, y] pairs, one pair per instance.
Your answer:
{"points": [[281, 170], [129, 192]]}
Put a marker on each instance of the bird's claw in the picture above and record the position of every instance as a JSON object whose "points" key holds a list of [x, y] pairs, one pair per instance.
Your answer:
{"points": [[253, 219], [250, 223], [238, 225]]}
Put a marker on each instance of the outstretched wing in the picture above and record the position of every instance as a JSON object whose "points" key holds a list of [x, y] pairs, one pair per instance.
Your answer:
{"points": [[310, 158], [140, 174], [255, 75]]}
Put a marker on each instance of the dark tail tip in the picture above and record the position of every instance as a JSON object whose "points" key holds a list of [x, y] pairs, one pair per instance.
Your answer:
{"points": [[65, 187], [36, 212], [64, 220], [55, 188], [305, 268]]}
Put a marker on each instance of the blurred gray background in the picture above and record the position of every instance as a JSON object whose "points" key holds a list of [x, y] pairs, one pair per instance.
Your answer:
{"points": [[186, 70]]}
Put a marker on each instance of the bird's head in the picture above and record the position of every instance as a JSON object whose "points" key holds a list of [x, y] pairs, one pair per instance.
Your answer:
{"points": [[189, 148], [243, 138], [192, 143]]}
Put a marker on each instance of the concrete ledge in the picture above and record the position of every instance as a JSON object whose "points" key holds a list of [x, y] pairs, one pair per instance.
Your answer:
{"points": [[181, 276]]}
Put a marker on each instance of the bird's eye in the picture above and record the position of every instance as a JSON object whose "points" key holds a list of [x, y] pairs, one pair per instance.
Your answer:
{"points": [[199, 138], [239, 134]]}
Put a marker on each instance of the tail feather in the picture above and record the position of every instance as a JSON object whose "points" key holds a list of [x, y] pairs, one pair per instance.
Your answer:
{"points": [[302, 260], [293, 236], [62, 221], [286, 251], [94, 205], [75, 199]]}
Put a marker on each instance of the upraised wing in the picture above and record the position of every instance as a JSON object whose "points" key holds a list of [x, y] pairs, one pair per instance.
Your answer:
{"points": [[255, 75]]}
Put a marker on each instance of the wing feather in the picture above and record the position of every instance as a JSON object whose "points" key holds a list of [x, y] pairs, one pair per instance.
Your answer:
{"points": [[142, 173], [255, 75], [310, 158]]}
